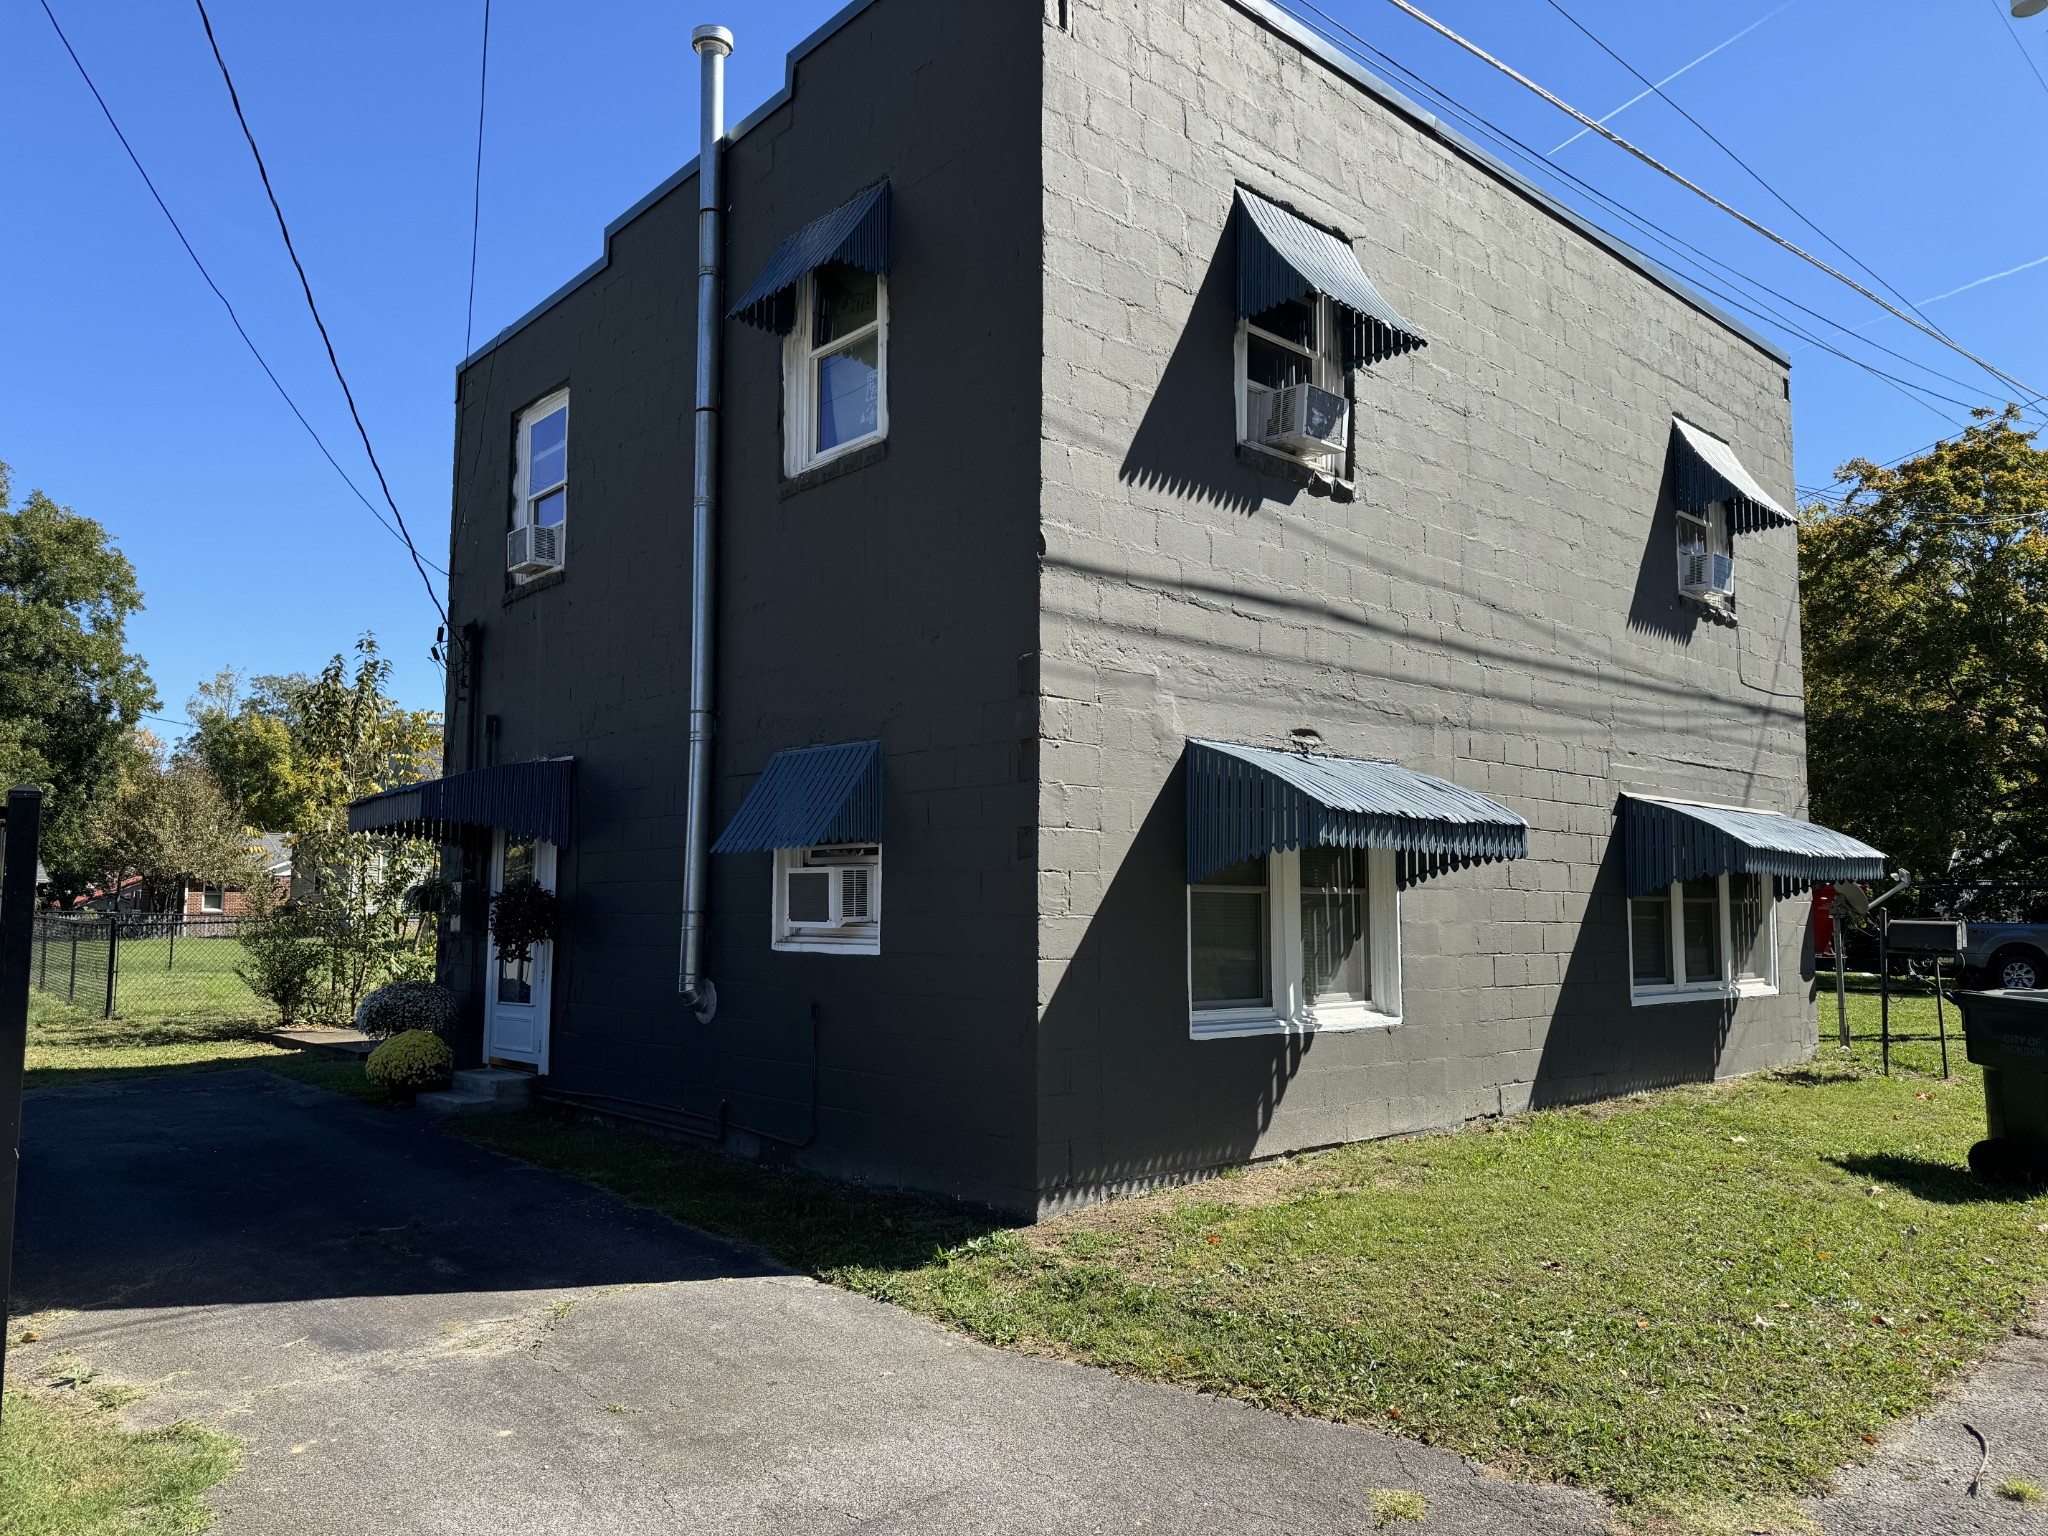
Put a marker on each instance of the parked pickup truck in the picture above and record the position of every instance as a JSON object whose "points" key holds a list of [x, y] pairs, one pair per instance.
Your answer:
{"points": [[2010, 955]]}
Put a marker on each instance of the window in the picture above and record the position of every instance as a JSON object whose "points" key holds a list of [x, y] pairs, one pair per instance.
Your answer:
{"points": [[1706, 555], [1300, 939], [212, 899], [1292, 343], [829, 899], [836, 367], [1712, 937], [540, 511]]}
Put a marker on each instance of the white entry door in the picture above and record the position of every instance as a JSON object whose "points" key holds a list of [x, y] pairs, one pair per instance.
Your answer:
{"points": [[516, 1002]]}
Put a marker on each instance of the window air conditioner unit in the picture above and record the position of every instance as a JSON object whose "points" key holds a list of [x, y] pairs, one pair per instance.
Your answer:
{"points": [[533, 551], [1704, 573], [1300, 419], [830, 898]]}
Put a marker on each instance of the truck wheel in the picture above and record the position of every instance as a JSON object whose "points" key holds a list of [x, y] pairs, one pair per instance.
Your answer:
{"points": [[2017, 970]]}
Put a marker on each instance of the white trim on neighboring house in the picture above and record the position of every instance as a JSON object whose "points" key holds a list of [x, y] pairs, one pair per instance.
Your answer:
{"points": [[800, 363], [1287, 1009], [1728, 984]]}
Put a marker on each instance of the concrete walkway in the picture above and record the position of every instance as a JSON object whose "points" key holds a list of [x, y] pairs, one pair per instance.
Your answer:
{"points": [[417, 1336]]}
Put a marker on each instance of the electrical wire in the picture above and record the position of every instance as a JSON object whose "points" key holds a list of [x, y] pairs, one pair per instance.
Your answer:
{"points": [[1697, 190], [2013, 32], [476, 196], [1676, 247], [306, 287], [207, 277], [1754, 174]]}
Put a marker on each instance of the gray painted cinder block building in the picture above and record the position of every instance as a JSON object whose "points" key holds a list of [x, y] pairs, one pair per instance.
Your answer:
{"points": [[1300, 622]]}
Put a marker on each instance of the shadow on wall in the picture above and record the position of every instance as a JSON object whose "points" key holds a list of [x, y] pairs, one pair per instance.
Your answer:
{"points": [[1142, 1102], [1186, 445], [1656, 608], [1598, 1045]]}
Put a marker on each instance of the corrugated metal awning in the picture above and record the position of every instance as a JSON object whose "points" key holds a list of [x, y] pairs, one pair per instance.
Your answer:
{"points": [[531, 799], [1282, 256], [807, 796], [1668, 840], [1706, 471], [1247, 801], [856, 232]]}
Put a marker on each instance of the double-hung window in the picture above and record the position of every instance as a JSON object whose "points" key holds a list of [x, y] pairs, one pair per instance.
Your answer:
{"points": [[1716, 936], [1293, 343], [540, 498], [836, 365], [1295, 940], [829, 899], [212, 898], [1706, 553]]}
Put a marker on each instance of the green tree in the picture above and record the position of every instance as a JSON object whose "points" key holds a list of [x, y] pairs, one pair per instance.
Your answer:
{"points": [[70, 691], [1925, 615], [246, 740], [163, 822]]}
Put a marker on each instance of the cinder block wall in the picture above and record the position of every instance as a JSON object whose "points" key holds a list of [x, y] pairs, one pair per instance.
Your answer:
{"points": [[1498, 606], [893, 601]]}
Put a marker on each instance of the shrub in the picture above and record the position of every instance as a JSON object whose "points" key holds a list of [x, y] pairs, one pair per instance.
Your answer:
{"points": [[411, 1061], [285, 957], [404, 1005]]}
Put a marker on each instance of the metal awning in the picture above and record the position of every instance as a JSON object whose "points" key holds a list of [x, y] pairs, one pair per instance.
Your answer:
{"points": [[1669, 840], [855, 232], [808, 796], [1282, 256], [1247, 801], [531, 799], [1705, 471]]}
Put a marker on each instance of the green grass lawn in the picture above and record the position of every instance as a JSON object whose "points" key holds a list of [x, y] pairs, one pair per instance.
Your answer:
{"points": [[1698, 1302], [73, 1471], [189, 980]]}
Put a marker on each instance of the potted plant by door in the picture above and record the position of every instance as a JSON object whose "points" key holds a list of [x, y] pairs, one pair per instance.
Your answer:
{"points": [[523, 914]]}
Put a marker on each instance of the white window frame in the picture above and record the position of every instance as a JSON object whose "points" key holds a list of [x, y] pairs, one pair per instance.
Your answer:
{"points": [[799, 373], [523, 494], [1714, 527], [1289, 1012], [1326, 372], [218, 895], [856, 938], [1726, 985]]}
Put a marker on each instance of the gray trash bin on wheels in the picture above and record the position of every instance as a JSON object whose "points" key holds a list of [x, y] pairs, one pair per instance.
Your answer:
{"points": [[2007, 1035]]}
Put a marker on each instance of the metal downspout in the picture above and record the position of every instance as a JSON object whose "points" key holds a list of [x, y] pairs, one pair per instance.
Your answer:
{"points": [[712, 45]]}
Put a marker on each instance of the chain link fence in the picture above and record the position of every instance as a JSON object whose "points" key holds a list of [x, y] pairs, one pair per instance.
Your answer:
{"points": [[145, 965]]}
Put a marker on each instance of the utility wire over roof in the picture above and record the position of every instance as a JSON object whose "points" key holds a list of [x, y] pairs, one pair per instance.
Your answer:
{"points": [[1245, 802], [1281, 256], [856, 232], [1706, 471]]}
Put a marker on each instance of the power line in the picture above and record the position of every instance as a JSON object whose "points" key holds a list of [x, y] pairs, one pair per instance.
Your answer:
{"points": [[2013, 32], [476, 197], [1754, 174], [306, 287], [207, 277], [1676, 246], [1699, 191]]}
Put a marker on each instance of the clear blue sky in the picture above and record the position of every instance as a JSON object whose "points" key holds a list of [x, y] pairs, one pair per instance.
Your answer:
{"points": [[1911, 132]]}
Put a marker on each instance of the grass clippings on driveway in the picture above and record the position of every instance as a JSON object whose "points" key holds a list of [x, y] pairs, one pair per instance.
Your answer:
{"points": [[1692, 1301], [74, 1471]]}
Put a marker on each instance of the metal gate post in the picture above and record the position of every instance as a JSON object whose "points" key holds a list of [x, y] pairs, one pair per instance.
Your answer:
{"points": [[113, 965], [1884, 984], [1841, 974], [71, 988], [17, 937]]}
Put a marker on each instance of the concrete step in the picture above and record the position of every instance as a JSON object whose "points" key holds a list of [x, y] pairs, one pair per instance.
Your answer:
{"points": [[481, 1088]]}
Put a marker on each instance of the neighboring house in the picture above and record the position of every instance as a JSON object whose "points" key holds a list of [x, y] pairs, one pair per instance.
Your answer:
{"points": [[1239, 626], [201, 900]]}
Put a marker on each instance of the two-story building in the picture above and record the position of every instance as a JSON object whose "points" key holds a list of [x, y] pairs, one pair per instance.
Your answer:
{"points": [[1234, 625]]}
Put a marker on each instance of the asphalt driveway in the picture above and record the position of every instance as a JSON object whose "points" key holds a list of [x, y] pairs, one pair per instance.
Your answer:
{"points": [[415, 1335]]}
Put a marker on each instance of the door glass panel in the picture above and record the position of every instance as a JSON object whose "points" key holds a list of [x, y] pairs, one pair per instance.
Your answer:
{"points": [[1650, 940], [515, 977], [1227, 937], [1335, 957], [1702, 900]]}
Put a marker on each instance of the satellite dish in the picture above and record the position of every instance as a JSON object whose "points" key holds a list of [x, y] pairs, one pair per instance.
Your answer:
{"points": [[2029, 7], [1850, 894]]}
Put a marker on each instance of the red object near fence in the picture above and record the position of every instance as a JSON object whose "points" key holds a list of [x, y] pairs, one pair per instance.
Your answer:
{"points": [[1823, 922]]}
